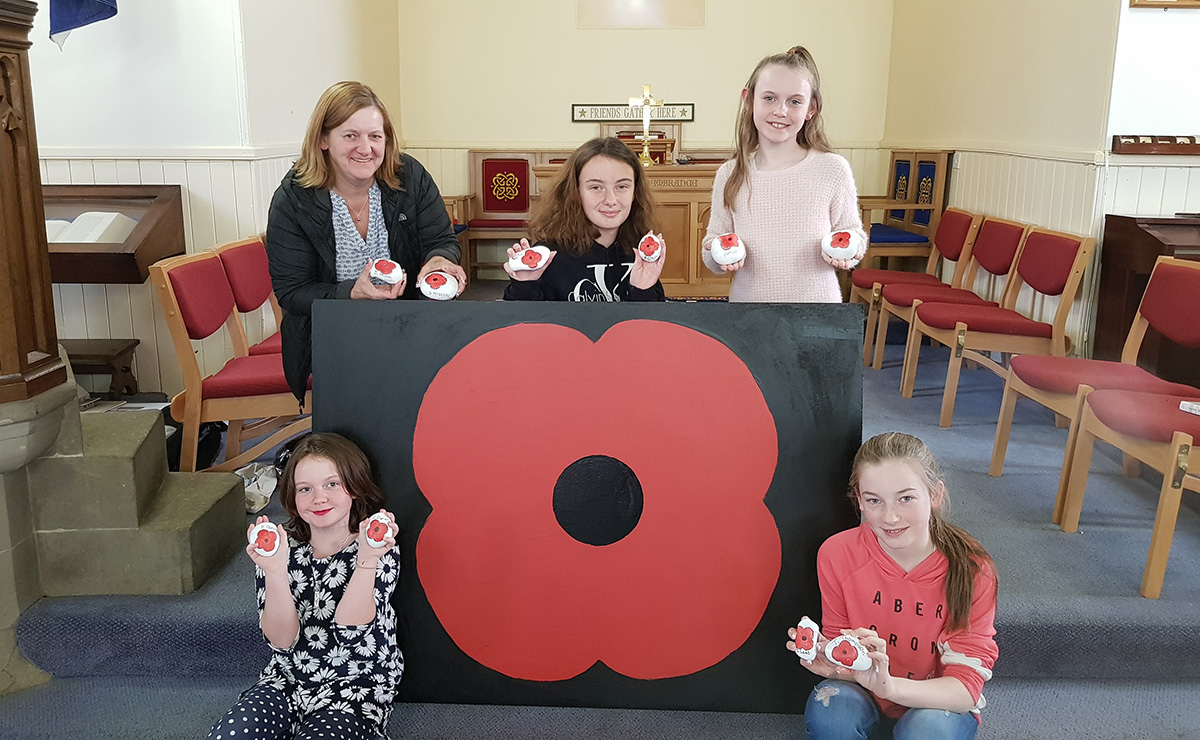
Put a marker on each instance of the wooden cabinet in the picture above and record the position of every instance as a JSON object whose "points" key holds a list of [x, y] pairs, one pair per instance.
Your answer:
{"points": [[684, 197], [158, 211]]}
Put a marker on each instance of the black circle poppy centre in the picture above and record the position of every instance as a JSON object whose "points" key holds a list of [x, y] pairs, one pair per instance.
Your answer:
{"points": [[597, 500]]}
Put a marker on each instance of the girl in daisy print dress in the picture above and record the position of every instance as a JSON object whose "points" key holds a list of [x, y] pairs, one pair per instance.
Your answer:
{"points": [[324, 600]]}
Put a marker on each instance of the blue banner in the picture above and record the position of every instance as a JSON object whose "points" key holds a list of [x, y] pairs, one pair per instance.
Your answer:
{"points": [[66, 15]]}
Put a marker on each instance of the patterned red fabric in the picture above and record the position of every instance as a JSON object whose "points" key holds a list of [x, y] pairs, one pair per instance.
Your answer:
{"points": [[1046, 262], [904, 295], [987, 319], [505, 185], [996, 246], [1066, 374], [867, 278], [951, 234], [203, 294], [257, 375], [1170, 303], [249, 276], [272, 345], [1144, 415]]}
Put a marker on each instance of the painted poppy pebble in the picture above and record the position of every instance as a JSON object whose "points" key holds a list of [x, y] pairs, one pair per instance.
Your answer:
{"points": [[439, 286], [727, 249], [386, 271], [650, 248], [806, 638], [265, 538], [848, 651], [378, 529], [842, 245], [529, 259]]}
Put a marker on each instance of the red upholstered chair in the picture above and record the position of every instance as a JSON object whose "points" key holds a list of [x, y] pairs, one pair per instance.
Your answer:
{"points": [[1049, 262], [953, 241], [501, 184], [1151, 428], [994, 253], [197, 301], [1060, 384], [245, 264]]}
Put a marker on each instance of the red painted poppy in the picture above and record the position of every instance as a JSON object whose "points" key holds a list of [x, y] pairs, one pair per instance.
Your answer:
{"points": [[435, 279], [841, 239], [531, 258], [499, 431], [265, 540]]}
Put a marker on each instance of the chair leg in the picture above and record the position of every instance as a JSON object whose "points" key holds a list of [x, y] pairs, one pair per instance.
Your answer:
{"points": [[912, 352], [1081, 463], [872, 317], [187, 446], [881, 329], [1008, 406], [233, 439], [950, 392], [1131, 465], [1165, 518], [1060, 498], [1061, 422]]}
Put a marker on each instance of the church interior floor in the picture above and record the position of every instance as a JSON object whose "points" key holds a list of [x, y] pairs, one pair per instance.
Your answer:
{"points": [[1082, 655]]}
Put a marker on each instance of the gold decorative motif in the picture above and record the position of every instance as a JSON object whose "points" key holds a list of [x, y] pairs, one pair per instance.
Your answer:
{"points": [[902, 187], [925, 190], [505, 186]]}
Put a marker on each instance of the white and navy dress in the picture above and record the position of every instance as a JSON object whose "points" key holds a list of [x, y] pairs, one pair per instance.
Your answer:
{"points": [[335, 681]]}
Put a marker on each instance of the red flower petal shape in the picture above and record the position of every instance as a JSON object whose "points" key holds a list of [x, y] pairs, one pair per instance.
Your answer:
{"points": [[434, 280], [678, 593]]}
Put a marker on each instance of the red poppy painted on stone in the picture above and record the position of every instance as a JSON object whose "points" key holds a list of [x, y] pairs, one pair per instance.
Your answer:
{"points": [[377, 531], [265, 540], [683, 587], [841, 239], [435, 280], [385, 266], [531, 258], [845, 654], [729, 240], [804, 638]]}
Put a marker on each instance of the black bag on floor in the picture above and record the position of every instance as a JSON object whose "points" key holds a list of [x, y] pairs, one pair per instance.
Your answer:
{"points": [[212, 436]]}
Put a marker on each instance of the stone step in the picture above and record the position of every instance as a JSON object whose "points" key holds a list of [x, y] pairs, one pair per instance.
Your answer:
{"points": [[194, 526], [112, 484]]}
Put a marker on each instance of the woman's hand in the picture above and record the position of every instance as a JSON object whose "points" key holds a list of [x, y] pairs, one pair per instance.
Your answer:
{"points": [[731, 267], [368, 556], [526, 275], [645, 274], [276, 563], [445, 265], [364, 289]]}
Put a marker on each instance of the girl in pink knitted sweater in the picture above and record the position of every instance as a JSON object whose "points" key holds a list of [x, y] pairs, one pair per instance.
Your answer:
{"points": [[784, 190]]}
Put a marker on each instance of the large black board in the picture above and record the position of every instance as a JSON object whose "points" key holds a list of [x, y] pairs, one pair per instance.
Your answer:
{"points": [[374, 362]]}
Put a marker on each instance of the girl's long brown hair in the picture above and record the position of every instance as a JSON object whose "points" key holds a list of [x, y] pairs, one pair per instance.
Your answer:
{"points": [[965, 555], [339, 102], [811, 135], [558, 217], [355, 472]]}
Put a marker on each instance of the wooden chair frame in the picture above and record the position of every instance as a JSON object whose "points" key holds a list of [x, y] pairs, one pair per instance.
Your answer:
{"points": [[970, 271], [909, 205], [1066, 405], [1176, 461], [273, 413], [873, 296], [977, 346], [475, 232]]}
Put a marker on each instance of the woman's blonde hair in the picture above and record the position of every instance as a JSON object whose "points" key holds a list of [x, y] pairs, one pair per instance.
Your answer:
{"points": [[558, 217], [811, 135], [965, 555], [335, 105]]}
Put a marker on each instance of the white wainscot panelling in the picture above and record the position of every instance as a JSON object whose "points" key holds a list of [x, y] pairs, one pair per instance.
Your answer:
{"points": [[1059, 194], [223, 200]]}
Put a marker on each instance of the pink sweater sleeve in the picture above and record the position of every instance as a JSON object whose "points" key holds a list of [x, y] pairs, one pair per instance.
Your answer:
{"points": [[969, 656]]}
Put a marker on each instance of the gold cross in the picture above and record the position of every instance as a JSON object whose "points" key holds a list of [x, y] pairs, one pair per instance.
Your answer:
{"points": [[645, 102]]}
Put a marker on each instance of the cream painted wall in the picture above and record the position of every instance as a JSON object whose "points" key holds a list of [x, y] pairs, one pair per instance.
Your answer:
{"points": [[294, 49], [505, 74], [1155, 89], [161, 74], [1022, 76]]}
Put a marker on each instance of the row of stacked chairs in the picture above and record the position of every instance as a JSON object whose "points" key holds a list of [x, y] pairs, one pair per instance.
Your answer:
{"points": [[199, 294], [1119, 402]]}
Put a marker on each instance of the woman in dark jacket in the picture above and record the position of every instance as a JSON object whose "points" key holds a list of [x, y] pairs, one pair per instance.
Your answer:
{"points": [[351, 198]]}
